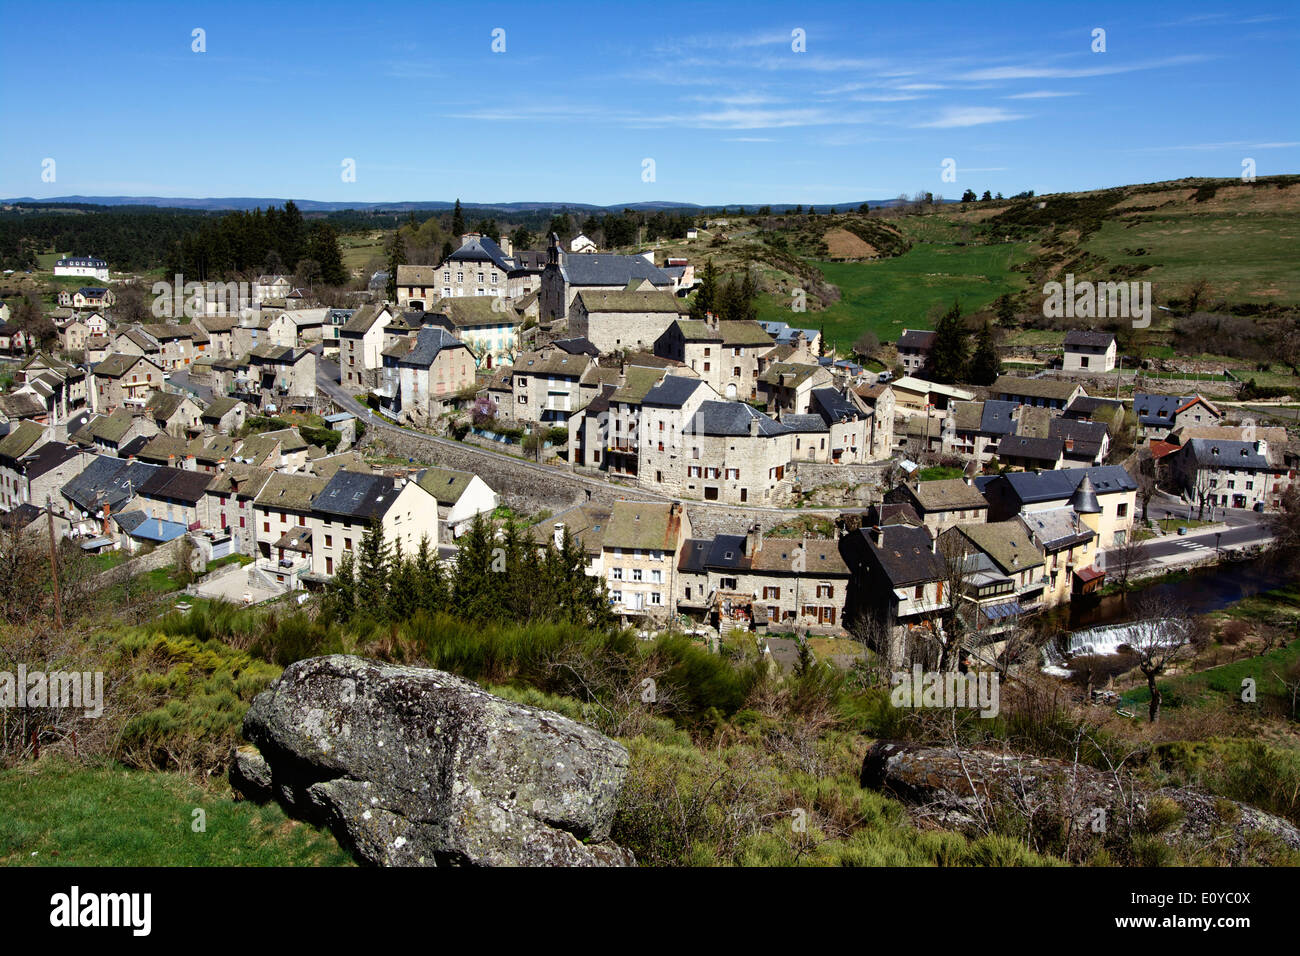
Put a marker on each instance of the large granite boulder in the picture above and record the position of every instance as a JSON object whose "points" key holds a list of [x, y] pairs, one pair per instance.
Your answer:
{"points": [[968, 788], [416, 767]]}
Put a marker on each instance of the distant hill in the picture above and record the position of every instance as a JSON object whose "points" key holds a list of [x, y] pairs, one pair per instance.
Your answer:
{"points": [[312, 205]]}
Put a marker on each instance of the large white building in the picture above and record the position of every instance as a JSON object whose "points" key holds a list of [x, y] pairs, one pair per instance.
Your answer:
{"points": [[86, 266]]}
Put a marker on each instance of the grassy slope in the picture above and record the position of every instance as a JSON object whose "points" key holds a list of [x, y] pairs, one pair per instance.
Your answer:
{"points": [[60, 817], [909, 291]]}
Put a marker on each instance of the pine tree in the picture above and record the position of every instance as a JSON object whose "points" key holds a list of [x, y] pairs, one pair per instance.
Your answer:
{"points": [[706, 295], [477, 582], [430, 584], [396, 257], [457, 221], [323, 246], [342, 599], [985, 364], [949, 354], [373, 556]]}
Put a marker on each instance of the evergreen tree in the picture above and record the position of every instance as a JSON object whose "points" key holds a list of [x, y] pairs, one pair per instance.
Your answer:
{"points": [[323, 247], [478, 579], [457, 222], [342, 599], [748, 298], [396, 257], [293, 235], [373, 556], [985, 364], [706, 295], [949, 354], [430, 584]]}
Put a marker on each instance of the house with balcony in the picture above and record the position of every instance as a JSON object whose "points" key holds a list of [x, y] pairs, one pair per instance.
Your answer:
{"points": [[282, 533], [123, 379], [1002, 577], [898, 583]]}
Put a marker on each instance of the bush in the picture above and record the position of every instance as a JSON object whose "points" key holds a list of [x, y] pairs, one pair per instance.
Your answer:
{"points": [[327, 438]]}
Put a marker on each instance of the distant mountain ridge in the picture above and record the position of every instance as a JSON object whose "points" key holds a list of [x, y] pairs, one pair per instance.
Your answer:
{"points": [[312, 205]]}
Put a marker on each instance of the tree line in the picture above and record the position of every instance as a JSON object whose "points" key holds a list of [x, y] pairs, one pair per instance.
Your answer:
{"points": [[494, 579]]}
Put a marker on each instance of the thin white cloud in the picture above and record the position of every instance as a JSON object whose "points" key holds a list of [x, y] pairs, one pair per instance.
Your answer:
{"points": [[961, 116], [1067, 73], [749, 139], [1042, 94], [1236, 144]]}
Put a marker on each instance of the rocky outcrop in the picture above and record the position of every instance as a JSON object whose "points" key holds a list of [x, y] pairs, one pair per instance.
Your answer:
{"points": [[416, 767], [978, 790]]}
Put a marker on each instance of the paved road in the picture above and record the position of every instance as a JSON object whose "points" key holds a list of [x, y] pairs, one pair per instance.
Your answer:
{"points": [[327, 380]]}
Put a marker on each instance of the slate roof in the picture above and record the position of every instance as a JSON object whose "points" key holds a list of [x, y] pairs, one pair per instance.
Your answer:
{"points": [[947, 494], [1007, 543], [445, 484], [46, 458], [995, 418], [733, 418], [351, 494], [789, 374], [601, 269], [577, 346], [482, 249], [1088, 437], [1161, 409], [361, 321], [22, 405], [118, 364], [1033, 387], [105, 480], [643, 525], [587, 524], [1100, 340], [219, 408], [1055, 528], [290, 492], [1034, 487], [428, 344], [1024, 446], [1088, 405], [1216, 453], [19, 517], [778, 555], [595, 300], [176, 484], [672, 392], [723, 552], [20, 440], [805, 423], [551, 363], [917, 339], [905, 556], [833, 406]]}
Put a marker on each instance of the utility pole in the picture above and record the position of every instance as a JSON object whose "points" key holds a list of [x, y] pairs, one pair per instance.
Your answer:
{"points": [[54, 565]]}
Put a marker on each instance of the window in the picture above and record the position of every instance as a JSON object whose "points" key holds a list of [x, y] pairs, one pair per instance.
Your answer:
{"points": [[1122, 510], [771, 594], [347, 544], [616, 574], [636, 574], [826, 590], [656, 597], [920, 590], [266, 527], [329, 541]]}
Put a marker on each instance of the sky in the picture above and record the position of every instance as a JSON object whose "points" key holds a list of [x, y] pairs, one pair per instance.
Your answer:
{"points": [[605, 103]]}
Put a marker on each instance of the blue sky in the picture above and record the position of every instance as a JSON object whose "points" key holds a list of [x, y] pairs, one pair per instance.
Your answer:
{"points": [[584, 93]]}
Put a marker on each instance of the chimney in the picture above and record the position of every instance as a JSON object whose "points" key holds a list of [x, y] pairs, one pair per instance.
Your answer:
{"points": [[1069, 444], [559, 534], [878, 533], [934, 545], [754, 539], [468, 236], [753, 427], [710, 320], [506, 246]]}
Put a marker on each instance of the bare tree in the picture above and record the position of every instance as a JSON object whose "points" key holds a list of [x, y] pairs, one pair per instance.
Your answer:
{"points": [[1159, 636], [1143, 471], [1127, 558], [957, 556]]}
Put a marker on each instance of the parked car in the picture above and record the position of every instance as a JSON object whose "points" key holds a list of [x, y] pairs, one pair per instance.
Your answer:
{"points": [[884, 376]]}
